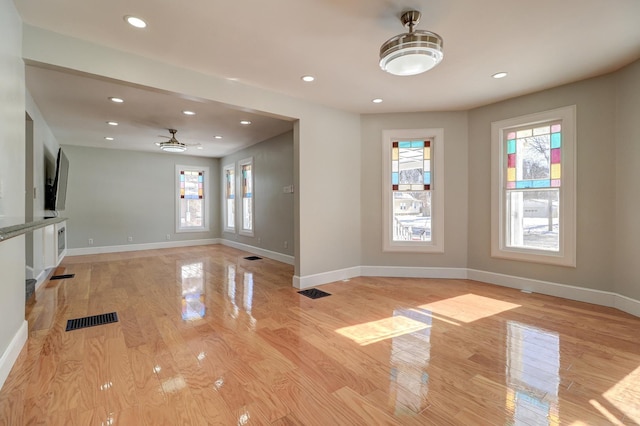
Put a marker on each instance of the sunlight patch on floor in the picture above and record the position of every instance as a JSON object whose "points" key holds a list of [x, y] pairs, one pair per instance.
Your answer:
{"points": [[469, 307], [625, 395], [376, 331]]}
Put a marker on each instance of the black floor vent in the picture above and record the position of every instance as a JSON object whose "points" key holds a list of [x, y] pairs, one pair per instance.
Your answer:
{"points": [[252, 258], [92, 321], [314, 293], [62, 277]]}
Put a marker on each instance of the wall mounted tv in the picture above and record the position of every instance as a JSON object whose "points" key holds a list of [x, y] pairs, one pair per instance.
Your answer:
{"points": [[56, 192]]}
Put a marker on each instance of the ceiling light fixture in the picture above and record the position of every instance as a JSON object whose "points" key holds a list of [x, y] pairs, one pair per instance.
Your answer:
{"points": [[173, 145], [185, 112], [112, 123], [411, 53], [245, 122], [217, 137], [307, 78], [501, 74], [135, 22], [109, 138], [377, 101], [116, 100]]}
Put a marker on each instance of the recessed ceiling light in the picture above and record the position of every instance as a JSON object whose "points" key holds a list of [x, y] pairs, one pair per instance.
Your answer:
{"points": [[377, 101], [116, 100], [245, 122], [501, 74], [200, 147], [308, 78], [217, 137], [135, 22], [109, 138], [185, 112], [112, 123]]}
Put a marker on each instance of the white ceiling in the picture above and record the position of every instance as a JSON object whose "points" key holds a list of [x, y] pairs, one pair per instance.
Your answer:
{"points": [[271, 44]]}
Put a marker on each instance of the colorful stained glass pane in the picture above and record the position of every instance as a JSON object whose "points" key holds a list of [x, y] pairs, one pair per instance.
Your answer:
{"points": [[427, 187], [555, 183], [394, 144], [511, 160], [405, 144], [395, 178], [511, 146], [555, 171], [511, 135], [511, 185], [556, 128], [427, 144], [556, 140], [427, 153], [427, 178], [394, 154], [191, 185], [417, 144], [555, 155], [511, 174]]}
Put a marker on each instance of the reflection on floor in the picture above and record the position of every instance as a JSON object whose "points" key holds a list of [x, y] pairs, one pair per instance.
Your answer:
{"points": [[207, 337]]}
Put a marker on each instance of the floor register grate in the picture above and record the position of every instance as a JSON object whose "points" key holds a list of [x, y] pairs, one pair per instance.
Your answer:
{"points": [[92, 321], [62, 277], [314, 293]]}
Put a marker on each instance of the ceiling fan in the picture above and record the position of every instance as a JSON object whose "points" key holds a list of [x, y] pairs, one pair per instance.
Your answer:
{"points": [[173, 144]]}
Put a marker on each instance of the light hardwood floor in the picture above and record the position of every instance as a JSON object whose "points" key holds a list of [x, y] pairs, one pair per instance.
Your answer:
{"points": [[207, 337]]}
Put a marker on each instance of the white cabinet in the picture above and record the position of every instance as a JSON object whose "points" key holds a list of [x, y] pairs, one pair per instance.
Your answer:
{"points": [[54, 244]]}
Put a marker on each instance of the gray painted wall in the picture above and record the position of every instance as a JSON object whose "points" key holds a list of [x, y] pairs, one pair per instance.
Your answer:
{"points": [[595, 100], [12, 173], [113, 194], [627, 175], [456, 183], [273, 214]]}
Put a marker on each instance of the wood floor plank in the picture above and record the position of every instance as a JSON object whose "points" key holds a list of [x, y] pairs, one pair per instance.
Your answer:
{"points": [[379, 350]]}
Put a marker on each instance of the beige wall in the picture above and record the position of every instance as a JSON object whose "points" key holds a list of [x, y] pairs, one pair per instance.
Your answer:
{"points": [[113, 194], [595, 101], [456, 183], [627, 178], [12, 178]]}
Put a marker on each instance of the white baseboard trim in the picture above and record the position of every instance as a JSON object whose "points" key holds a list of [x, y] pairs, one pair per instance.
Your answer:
{"points": [[309, 281], [580, 294], [41, 278], [280, 257], [627, 304], [13, 350], [413, 272], [136, 247]]}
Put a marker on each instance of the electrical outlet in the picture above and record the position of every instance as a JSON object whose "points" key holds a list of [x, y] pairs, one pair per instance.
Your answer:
{"points": [[286, 244], [130, 239], [90, 241], [168, 237]]}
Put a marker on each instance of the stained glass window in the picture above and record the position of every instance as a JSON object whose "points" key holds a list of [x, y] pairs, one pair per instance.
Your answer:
{"points": [[246, 168], [411, 169], [230, 189], [533, 178], [534, 157], [191, 189], [191, 185]]}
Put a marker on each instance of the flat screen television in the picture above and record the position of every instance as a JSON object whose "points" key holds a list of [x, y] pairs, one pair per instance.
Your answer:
{"points": [[56, 192]]}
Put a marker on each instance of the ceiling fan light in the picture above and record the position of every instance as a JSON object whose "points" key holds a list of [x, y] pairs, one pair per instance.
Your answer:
{"points": [[173, 146], [411, 53]]}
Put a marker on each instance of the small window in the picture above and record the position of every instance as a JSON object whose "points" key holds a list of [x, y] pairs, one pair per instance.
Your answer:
{"points": [[229, 198], [247, 180], [192, 187], [533, 194], [413, 188]]}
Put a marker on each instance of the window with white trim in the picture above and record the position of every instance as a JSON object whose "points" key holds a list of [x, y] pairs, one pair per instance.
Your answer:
{"points": [[413, 190], [192, 187], [246, 184], [534, 187], [229, 197]]}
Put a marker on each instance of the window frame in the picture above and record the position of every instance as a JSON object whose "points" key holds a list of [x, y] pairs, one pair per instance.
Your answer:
{"points": [[566, 255], [225, 226], [205, 198], [241, 229], [436, 245]]}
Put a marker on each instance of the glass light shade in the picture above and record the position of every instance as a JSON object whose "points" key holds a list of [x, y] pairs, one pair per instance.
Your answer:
{"points": [[173, 146], [411, 53]]}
